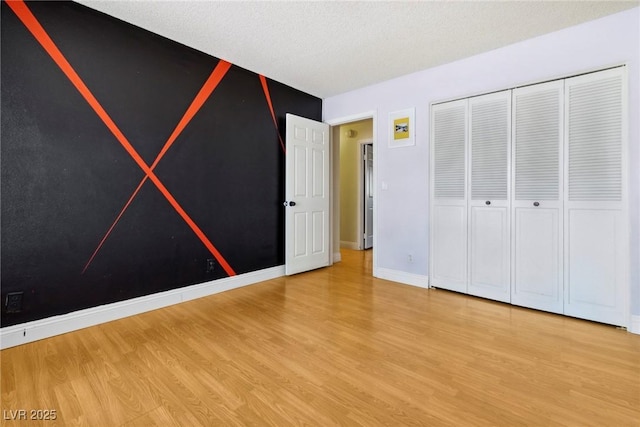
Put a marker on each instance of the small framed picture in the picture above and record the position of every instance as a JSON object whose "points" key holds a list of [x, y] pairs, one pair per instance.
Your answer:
{"points": [[402, 128]]}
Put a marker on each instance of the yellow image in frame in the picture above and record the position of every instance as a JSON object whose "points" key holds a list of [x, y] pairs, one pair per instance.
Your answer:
{"points": [[401, 128]]}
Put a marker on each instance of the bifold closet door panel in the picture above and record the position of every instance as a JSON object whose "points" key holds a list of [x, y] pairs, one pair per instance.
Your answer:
{"points": [[596, 267], [448, 250], [595, 224], [536, 206], [489, 187]]}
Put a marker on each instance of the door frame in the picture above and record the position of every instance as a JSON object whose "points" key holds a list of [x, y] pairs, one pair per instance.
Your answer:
{"points": [[335, 182], [361, 190]]}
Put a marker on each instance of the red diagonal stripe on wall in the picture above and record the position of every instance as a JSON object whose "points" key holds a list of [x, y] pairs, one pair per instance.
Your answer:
{"points": [[29, 20], [267, 95], [209, 86], [108, 233]]}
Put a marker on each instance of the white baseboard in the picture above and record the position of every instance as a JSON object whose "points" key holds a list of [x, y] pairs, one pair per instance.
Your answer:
{"points": [[12, 336], [349, 245], [402, 277], [634, 328], [337, 257]]}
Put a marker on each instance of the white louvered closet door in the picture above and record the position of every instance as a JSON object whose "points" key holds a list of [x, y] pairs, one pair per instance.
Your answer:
{"points": [[489, 230], [536, 214], [448, 196], [596, 247]]}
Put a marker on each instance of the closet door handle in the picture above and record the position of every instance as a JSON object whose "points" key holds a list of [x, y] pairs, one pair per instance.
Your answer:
{"points": [[488, 202], [536, 204]]}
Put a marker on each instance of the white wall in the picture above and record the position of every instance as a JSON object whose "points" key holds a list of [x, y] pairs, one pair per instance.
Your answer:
{"points": [[402, 209]]}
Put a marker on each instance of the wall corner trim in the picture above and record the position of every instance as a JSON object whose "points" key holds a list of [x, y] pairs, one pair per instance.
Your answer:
{"points": [[402, 277], [23, 333], [350, 245], [634, 328]]}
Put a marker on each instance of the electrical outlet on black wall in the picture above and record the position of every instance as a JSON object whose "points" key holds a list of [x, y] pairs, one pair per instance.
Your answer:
{"points": [[211, 265], [13, 302]]}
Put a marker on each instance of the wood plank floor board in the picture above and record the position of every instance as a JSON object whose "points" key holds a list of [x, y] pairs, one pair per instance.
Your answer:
{"points": [[333, 346]]}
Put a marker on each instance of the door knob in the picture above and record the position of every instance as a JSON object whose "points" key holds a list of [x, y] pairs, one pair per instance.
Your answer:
{"points": [[292, 203], [536, 203], [488, 202]]}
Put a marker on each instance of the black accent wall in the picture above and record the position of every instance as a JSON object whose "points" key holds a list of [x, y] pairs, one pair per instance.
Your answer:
{"points": [[65, 177]]}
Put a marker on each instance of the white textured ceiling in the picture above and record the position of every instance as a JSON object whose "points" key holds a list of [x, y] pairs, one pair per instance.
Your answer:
{"points": [[330, 47]]}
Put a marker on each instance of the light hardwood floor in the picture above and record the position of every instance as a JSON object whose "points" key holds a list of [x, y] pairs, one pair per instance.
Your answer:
{"points": [[331, 347]]}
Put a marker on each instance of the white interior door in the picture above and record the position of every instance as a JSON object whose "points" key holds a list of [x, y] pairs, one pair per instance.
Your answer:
{"points": [[489, 229], [537, 197], [307, 244], [368, 194], [449, 196], [595, 224]]}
